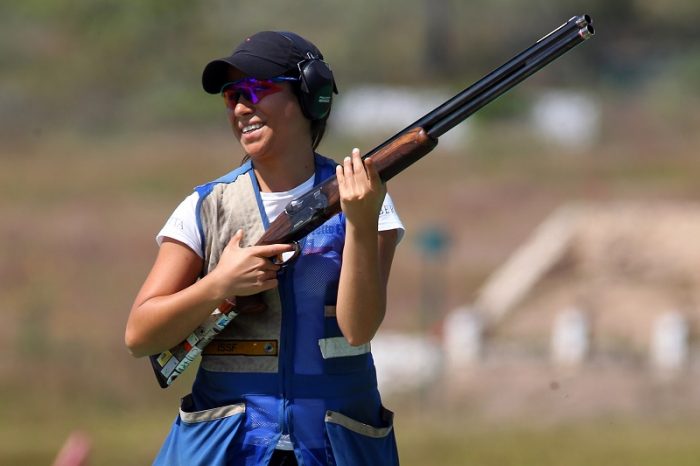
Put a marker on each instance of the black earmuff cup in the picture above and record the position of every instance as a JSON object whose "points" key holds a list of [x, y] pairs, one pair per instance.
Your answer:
{"points": [[316, 85]]}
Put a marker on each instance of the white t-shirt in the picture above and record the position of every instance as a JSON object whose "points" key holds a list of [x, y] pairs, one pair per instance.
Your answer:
{"points": [[182, 224]]}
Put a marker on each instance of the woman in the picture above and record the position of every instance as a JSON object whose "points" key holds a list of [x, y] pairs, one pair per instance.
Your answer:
{"points": [[294, 384]]}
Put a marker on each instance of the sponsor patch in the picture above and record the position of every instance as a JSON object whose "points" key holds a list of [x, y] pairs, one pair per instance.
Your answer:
{"points": [[242, 348]]}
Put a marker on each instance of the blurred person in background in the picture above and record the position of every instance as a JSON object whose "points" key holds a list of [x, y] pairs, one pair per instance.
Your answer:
{"points": [[294, 384]]}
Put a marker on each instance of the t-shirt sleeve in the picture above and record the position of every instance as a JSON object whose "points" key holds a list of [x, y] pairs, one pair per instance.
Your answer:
{"points": [[389, 219], [182, 225]]}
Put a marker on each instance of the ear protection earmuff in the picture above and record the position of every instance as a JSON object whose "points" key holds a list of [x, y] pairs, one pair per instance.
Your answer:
{"points": [[316, 83]]}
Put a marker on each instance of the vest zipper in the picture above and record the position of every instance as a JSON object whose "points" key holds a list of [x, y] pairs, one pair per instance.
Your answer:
{"points": [[286, 360]]}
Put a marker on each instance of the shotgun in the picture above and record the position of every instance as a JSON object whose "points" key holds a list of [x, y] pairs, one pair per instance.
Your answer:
{"points": [[315, 207]]}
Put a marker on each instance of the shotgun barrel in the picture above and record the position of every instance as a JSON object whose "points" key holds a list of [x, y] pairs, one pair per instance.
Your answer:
{"points": [[485, 90], [576, 23]]}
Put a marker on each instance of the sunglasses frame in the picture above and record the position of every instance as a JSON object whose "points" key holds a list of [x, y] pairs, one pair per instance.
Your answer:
{"points": [[249, 90]]}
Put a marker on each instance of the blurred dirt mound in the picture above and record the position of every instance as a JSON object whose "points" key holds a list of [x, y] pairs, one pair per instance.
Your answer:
{"points": [[655, 242]]}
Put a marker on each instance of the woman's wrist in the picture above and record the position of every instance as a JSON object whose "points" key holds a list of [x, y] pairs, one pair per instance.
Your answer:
{"points": [[361, 230], [214, 287]]}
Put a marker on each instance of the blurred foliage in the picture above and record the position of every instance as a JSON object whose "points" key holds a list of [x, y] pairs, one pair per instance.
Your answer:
{"points": [[108, 65]]}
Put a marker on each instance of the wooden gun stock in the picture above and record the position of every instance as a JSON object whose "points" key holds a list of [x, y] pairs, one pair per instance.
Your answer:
{"points": [[312, 209]]}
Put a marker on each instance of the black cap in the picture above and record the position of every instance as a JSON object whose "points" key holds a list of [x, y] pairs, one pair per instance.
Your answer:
{"points": [[263, 55]]}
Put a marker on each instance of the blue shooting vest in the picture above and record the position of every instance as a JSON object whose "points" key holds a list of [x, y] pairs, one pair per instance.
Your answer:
{"points": [[287, 370]]}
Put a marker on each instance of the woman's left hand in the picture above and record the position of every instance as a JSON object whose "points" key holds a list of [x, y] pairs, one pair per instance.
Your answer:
{"points": [[361, 191]]}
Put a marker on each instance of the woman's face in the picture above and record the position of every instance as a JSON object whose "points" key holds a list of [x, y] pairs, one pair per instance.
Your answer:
{"points": [[271, 126]]}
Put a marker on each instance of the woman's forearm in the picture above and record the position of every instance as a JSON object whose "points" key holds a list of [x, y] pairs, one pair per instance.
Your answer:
{"points": [[361, 305], [161, 322]]}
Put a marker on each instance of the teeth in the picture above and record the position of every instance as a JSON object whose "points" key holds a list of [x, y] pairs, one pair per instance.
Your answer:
{"points": [[249, 128]]}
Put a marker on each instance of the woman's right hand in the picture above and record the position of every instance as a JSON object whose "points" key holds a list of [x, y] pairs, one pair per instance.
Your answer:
{"points": [[172, 302], [244, 271]]}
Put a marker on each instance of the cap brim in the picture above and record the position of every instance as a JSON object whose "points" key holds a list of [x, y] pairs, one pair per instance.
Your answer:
{"points": [[216, 73]]}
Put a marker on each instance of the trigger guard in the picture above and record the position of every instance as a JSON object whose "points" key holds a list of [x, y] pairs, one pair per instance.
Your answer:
{"points": [[281, 261]]}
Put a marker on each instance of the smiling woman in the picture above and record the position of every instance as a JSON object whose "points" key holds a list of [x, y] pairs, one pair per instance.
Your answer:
{"points": [[295, 383]]}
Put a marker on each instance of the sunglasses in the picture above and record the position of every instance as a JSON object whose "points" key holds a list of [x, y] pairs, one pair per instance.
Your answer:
{"points": [[252, 89]]}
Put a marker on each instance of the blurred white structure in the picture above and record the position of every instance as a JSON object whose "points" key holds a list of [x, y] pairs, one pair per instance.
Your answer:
{"points": [[462, 339], [568, 118], [570, 335], [405, 362], [385, 110], [669, 341]]}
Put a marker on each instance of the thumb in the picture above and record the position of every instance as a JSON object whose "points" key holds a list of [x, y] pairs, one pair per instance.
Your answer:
{"points": [[236, 239], [372, 172]]}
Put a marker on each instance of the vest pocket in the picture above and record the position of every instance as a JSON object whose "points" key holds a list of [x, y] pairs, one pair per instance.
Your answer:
{"points": [[354, 442], [209, 415], [203, 437]]}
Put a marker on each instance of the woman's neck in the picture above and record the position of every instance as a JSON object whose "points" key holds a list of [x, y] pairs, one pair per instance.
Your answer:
{"points": [[279, 174]]}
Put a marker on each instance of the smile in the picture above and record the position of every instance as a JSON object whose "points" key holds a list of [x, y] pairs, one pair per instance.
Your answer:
{"points": [[250, 128]]}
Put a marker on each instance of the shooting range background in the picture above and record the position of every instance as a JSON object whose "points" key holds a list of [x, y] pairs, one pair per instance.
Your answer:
{"points": [[104, 128]]}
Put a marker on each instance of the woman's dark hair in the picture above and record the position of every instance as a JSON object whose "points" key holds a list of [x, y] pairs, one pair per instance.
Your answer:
{"points": [[318, 128]]}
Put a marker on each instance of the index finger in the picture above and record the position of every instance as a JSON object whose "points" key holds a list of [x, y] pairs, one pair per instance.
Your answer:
{"points": [[271, 250]]}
